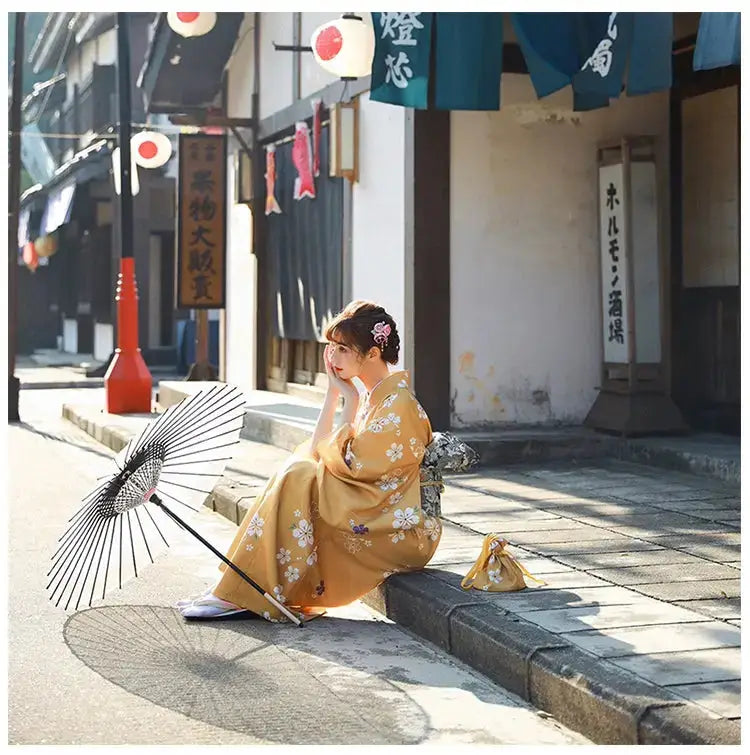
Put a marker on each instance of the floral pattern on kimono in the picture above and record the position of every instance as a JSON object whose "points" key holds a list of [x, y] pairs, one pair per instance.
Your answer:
{"points": [[325, 532]]}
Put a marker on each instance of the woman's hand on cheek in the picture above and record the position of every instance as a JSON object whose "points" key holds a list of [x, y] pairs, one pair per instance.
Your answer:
{"points": [[335, 383]]}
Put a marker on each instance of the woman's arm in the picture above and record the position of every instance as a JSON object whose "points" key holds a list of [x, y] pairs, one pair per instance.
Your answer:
{"points": [[351, 404], [336, 387], [386, 450], [325, 419]]}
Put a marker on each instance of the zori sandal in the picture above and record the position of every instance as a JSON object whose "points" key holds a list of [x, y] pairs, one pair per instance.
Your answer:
{"points": [[210, 607]]}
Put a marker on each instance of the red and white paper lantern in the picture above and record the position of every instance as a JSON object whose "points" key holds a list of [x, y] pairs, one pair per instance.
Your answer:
{"points": [[344, 47], [191, 24], [150, 149]]}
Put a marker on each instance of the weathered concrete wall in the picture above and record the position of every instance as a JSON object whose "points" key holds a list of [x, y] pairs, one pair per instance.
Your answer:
{"points": [[526, 337]]}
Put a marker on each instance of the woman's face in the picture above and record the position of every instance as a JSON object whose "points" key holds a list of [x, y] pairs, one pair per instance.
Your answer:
{"points": [[345, 360]]}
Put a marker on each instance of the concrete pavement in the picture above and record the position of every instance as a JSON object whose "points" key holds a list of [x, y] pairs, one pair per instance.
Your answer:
{"points": [[635, 637], [131, 671]]}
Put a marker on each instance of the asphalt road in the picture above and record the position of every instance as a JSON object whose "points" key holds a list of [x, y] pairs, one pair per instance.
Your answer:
{"points": [[129, 670]]}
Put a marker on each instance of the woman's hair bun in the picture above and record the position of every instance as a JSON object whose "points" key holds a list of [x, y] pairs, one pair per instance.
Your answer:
{"points": [[356, 325]]}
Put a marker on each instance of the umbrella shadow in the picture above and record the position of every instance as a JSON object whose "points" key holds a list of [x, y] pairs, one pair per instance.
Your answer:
{"points": [[269, 681], [68, 440]]}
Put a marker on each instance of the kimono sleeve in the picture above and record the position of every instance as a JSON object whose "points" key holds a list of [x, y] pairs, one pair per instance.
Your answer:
{"points": [[382, 448]]}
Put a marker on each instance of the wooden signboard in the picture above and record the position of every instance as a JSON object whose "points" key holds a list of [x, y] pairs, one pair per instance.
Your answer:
{"points": [[201, 222]]}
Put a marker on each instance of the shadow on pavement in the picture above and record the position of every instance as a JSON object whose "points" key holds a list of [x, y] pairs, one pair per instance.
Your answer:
{"points": [[68, 440], [269, 681]]}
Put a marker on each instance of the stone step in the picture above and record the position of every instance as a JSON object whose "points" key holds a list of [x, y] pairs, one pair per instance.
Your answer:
{"points": [[286, 420], [280, 419], [704, 454], [312, 393], [501, 447]]}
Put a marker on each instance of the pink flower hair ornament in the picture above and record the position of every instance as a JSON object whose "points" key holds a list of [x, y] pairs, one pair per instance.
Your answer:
{"points": [[380, 334]]}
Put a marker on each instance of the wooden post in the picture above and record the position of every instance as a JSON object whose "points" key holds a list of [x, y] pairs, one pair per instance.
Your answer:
{"points": [[201, 369]]}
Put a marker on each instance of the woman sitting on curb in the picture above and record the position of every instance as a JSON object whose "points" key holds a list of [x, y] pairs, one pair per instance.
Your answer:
{"points": [[344, 512]]}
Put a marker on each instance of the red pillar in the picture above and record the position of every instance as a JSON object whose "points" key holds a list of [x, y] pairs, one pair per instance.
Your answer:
{"points": [[127, 382]]}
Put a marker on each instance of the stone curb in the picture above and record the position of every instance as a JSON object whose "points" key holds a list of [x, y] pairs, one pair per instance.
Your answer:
{"points": [[510, 448], [691, 463], [56, 384], [582, 691], [499, 451]]}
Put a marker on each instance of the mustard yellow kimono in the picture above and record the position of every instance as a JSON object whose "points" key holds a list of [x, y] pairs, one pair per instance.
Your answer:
{"points": [[323, 533]]}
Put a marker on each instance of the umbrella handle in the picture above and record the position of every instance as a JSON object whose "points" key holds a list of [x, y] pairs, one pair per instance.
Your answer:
{"points": [[280, 606]]}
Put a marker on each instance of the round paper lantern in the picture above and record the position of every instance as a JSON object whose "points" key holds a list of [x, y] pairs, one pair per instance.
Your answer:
{"points": [[150, 149], [191, 24], [45, 246], [344, 47]]}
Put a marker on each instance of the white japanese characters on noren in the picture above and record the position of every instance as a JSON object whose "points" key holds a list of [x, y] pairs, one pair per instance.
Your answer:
{"points": [[601, 60], [399, 27]]}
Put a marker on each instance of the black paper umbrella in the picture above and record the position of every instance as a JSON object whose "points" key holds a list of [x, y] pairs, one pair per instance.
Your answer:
{"points": [[177, 458]]}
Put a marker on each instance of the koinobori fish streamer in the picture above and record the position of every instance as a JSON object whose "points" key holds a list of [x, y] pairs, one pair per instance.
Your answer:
{"points": [[272, 204], [304, 184]]}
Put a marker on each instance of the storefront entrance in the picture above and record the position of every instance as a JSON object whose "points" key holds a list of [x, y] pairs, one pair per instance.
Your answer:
{"points": [[705, 246], [304, 272]]}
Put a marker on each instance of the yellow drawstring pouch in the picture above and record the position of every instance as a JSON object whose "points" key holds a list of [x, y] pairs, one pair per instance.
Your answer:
{"points": [[496, 570]]}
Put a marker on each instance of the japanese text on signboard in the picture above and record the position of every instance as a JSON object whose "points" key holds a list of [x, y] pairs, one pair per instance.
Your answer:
{"points": [[613, 264], [202, 221], [615, 289]]}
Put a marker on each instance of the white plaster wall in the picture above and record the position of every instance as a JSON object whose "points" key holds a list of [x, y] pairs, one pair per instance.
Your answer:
{"points": [[240, 314], [378, 235], [275, 67], [241, 73], [526, 339], [239, 323]]}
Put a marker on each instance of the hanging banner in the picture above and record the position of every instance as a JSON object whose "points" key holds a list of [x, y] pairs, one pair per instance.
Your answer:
{"points": [[468, 60], [650, 62], [401, 64], [201, 222], [608, 43], [304, 184], [272, 204], [592, 51], [614, 263], [718, 42], [59, 206]]}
